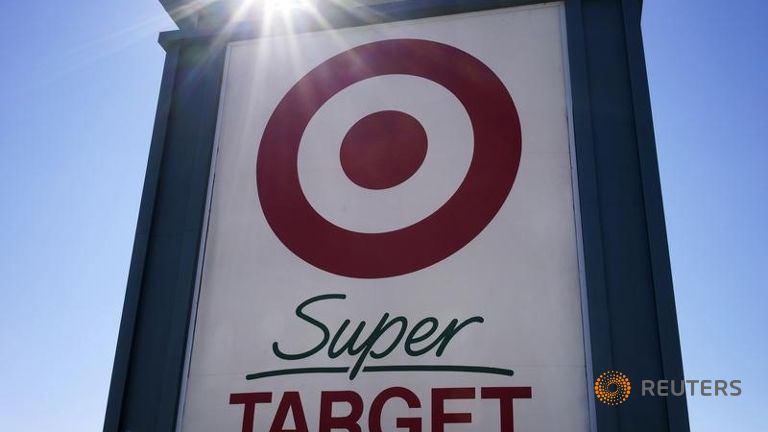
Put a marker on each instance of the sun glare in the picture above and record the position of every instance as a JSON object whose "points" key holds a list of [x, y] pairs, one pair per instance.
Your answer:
{"points": [[285, 5]]}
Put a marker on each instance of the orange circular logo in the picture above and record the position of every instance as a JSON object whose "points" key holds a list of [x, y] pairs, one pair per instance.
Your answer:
{"points": [[612, 388]]}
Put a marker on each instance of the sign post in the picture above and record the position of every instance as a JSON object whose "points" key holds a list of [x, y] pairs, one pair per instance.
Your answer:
{"points": [[413, 215]]}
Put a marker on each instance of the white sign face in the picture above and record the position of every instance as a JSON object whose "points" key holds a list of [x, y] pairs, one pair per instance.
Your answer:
{"points": [[392, 241]]}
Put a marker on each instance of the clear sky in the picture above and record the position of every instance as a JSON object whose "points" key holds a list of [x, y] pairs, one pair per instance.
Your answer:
{"points": [[79, 83]]}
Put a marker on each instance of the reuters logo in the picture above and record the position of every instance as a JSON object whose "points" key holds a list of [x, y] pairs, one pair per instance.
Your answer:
{"points": [[612, 388]]}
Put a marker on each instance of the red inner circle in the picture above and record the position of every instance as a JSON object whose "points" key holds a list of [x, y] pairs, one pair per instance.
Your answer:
{"points": [[383, 149]]}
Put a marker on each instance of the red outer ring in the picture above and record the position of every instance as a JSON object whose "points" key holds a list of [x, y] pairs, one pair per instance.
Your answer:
{"points": [[492, 171]]}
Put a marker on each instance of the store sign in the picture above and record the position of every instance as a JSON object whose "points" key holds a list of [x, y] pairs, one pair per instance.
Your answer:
{"points": [[392, 241]]}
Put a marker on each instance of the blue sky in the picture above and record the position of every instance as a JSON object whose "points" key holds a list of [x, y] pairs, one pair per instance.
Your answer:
{"points": [[79, 83]]}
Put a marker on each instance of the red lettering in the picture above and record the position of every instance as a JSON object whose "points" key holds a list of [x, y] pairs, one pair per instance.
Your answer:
{"points": [[439, 416], [413, 424], [506, 395], [249, 401], [348, 422], [291, 406], [291, 401]]}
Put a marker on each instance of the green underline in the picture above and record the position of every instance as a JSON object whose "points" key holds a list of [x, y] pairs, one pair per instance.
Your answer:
{"points": [[374, 369], [313, 370], [441, 368]]}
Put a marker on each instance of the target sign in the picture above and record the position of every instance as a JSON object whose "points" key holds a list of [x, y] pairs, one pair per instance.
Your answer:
{"points": [[392, 207], [384, 149]]}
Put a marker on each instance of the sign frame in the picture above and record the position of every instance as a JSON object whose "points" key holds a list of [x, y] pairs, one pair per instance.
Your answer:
{"points": [[630, 304]]}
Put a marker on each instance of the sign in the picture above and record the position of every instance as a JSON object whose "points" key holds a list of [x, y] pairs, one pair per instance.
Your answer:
{"points": [[391, 240]]}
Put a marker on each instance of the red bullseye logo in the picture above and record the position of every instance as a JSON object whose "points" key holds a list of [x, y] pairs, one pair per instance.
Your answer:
{"points": [[385, 149]]}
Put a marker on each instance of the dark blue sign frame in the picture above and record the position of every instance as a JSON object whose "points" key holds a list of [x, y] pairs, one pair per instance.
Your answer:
{"points": [[632, 317]]}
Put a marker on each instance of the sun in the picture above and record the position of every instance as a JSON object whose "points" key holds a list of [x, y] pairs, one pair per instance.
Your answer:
{"points": [[271, 6]]}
